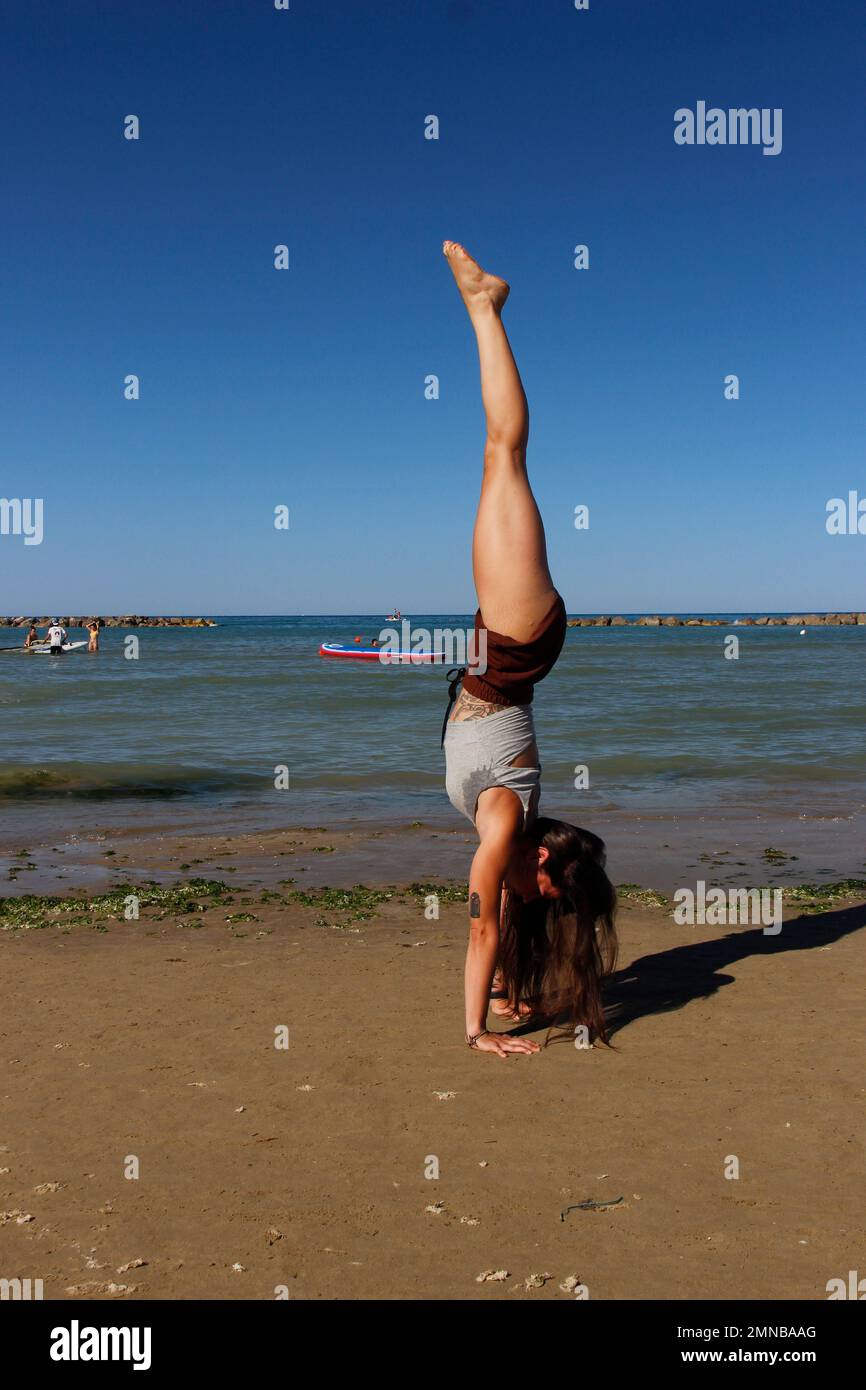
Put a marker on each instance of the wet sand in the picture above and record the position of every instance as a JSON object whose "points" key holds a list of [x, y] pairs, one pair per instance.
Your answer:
{"points": [[663, 851], [262, 1169]]}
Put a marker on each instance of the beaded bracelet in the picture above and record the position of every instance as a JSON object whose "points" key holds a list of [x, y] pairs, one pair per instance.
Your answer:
{"points": [[473, 1041]]}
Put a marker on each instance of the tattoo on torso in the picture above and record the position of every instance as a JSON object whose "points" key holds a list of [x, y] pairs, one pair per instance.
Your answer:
{"points": [[471, 707], [474, 905]]}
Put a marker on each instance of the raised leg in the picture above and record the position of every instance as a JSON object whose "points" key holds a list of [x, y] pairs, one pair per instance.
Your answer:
{"points": [[509, 555]]}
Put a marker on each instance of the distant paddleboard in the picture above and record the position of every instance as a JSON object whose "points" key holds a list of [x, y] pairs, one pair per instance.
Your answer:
{"points": [[384, 655], [67, 647]]}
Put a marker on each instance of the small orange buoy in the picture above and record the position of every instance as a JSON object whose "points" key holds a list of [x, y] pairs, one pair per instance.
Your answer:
{"points": [[357, 639]]}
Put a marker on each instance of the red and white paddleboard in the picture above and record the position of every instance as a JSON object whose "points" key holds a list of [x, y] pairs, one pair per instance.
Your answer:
{"points": [[384, 655]]}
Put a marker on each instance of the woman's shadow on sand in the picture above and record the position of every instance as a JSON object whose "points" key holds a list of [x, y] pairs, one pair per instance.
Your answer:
{"points": [[668, 980]]}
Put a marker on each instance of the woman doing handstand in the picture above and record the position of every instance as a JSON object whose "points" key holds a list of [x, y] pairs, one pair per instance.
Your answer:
{"points": [[541, 906]]}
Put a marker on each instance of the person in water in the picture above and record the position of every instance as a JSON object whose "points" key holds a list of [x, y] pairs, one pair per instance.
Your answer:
{"points": [[55, 637], [32, 635], [541, 907], [93, 638]]}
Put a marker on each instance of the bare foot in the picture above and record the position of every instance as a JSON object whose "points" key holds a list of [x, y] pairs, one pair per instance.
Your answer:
{"points": [[475, 285]]}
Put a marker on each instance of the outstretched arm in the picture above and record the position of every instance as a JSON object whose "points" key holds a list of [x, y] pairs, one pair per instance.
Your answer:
{"points": [[485, 893]]}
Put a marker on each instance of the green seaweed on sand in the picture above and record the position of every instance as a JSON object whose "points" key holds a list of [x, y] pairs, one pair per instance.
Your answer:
{"points": [[358, 904], [642, 897], [812, 898], [32, 911], [194, 896], [452, 892], [169, 900]]}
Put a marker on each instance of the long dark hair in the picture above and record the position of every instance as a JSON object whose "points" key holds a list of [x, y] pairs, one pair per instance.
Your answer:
{"points": [[555, 952]]}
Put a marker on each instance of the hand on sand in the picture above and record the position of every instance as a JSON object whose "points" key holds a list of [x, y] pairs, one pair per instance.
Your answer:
{"points": [[502, 1045]]}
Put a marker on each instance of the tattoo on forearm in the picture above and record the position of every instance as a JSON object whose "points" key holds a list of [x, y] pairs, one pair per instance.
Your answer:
{"points": [[474, 905]]}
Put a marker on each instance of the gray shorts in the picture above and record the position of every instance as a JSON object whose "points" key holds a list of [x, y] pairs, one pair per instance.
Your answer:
{"points": [[479, 754]]}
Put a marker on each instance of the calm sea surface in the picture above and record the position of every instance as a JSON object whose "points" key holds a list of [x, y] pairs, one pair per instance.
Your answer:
{"points": [[191, 732]]}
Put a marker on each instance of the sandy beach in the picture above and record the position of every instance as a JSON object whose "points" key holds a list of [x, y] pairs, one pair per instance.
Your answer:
{"points": [[432, 532], [300, 1170]]}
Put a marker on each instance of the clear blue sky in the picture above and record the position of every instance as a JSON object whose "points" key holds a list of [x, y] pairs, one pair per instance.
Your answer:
{"points": [[306, 387]]}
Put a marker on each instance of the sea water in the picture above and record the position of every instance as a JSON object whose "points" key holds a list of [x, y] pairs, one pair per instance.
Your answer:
{"points": [[245, 725]]}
